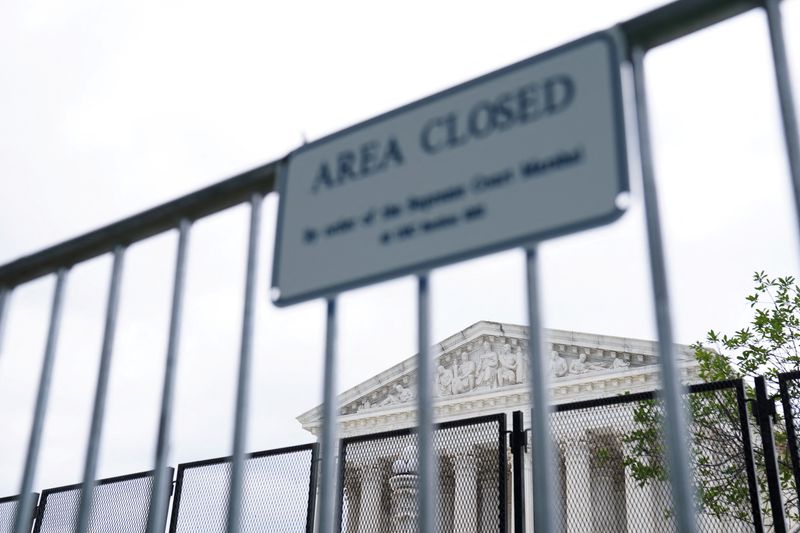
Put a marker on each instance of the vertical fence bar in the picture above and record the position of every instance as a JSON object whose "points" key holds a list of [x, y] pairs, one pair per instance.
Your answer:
{"points": [[25, 506], [518, 458], [328, 522], [783, 80], [157, 516], [750, 466], [426, 461], [791, 433], [96, 429], [5, 296], [765, 410], [312, 490], [676, 434], [243, 385], [544, 478]]}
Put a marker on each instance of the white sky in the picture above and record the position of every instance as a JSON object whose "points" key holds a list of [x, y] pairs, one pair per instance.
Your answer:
{"points": [[108, 108]]}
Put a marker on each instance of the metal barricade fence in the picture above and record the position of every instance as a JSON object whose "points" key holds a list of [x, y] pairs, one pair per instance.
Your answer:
{"points": [[118, 505], [638, 35], [9, 506], [279, 492], [789, 390], [611, 463], [380, 481]]}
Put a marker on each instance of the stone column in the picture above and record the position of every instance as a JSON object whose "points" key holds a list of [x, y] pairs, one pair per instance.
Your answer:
{"points": [[465, 510], [577, 461], [369, 519], [528, 490], [404, 503], [352, 495], [638, 498]]}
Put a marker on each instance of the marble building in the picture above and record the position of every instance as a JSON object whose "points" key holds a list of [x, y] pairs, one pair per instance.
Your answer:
{"points": [[483, 370]]}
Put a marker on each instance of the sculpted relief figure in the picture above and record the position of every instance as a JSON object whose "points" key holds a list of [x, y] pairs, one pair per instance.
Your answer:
{"points": [[507, 373], [558, 365], [444, 381], [487, 376], [580, 366], [466, 374], [619, 362], [519, 356], [398, 394]]}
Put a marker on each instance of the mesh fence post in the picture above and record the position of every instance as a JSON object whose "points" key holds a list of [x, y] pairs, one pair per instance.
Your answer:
{"points": [[518, 438], [765, 410]]}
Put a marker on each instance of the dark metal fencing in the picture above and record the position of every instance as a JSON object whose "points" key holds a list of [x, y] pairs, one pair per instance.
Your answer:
{"points": [[379, 482], [279, 492], [118, 505], [788, 458], [9, 507], [613, 473]]}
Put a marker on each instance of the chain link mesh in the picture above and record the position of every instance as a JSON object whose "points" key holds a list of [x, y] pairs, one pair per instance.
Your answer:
{"points": [[277, 493], [613, 473], [379, 481], [119, 505], [8, 512]]}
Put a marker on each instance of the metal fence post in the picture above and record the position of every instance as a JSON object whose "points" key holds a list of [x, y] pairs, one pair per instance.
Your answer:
{"points": [[783, 81], [518, 443], [328, 518], [544, 477], [93, 446], [425, 453], [752, 480], [4, 293], [157, 516], [676, 434], [26, 504], [5, 296], [765, 410], [243, 380]]}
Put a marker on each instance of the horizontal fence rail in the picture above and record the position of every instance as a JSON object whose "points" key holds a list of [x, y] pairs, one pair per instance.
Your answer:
{"points": [[149, 223], [279, 492]]}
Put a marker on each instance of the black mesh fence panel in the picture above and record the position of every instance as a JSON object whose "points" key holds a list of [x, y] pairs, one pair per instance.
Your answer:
{"points": [[789, 430], [119, 505], [613, 473], [379, 481], [8, 512], [279, 493]]}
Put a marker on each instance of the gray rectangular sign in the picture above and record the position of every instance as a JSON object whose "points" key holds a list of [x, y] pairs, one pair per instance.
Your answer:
{"points": [[534, 150]]}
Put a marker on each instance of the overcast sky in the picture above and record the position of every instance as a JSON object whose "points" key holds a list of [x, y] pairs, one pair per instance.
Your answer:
{"points": [[108, 108]]}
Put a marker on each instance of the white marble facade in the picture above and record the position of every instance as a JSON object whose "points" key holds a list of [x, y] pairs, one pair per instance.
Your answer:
{"points": [[483, 370]]}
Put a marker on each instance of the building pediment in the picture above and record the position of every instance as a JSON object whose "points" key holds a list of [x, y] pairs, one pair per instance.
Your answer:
{"points": [[485, 367]]}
